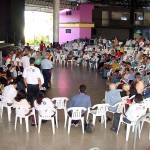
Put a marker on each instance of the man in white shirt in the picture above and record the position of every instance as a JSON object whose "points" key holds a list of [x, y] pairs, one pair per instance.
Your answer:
{"points": [[46, 66], [75, 45], [25, 60], [13, 56], [32, 80], [10, 92], [131, 114]]}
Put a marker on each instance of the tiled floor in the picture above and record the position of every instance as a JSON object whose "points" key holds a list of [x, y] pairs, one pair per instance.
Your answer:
{"points": [[65, 82]]}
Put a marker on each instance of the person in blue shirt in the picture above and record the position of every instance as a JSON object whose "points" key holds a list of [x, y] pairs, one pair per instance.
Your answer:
{"points": [[80, 100], [112, 97], [132, 75]]}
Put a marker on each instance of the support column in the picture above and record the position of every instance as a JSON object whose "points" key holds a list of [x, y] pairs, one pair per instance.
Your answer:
{"points": [[132, 19], [56, 9]]}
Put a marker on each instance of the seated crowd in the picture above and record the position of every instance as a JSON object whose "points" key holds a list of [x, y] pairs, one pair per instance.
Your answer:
{"points": [[127, 74]]}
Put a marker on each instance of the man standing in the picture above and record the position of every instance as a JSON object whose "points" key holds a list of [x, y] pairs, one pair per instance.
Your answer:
{"points": [[80, 100], [32, 80], [46, 66], [25, 60]]}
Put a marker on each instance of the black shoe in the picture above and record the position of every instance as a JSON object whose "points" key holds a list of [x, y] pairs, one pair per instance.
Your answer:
{"points": [[44, 121], [33, 124], [108, 119], [113, 129]]}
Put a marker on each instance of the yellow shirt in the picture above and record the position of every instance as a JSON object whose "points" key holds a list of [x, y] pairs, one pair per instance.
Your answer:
{"points": [[115, 65], [121, 49]]}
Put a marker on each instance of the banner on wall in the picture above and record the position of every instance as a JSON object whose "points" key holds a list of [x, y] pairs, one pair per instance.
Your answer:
{"points": [[1, 58]]}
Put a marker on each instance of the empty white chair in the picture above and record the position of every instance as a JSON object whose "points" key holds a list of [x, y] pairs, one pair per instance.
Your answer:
{"points": [[76, 114], [100, 110], [60, 103], [20, 113], [142, 109], [48, 114], [4, 104]]}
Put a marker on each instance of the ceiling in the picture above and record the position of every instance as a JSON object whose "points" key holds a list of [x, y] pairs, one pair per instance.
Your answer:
{"points": [[47, 5]]}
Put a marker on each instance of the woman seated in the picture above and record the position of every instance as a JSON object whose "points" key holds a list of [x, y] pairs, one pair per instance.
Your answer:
{"points": [[126, 75], [139, 84], [130, 114], [43, 102], [125, 91], [132, 89], [21, 101]]}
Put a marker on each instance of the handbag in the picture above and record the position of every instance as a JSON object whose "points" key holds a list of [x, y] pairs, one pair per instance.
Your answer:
{"points": [[88, 127]]}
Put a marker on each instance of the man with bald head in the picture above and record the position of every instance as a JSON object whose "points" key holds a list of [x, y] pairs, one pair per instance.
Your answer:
{"points": [[112, 97]]}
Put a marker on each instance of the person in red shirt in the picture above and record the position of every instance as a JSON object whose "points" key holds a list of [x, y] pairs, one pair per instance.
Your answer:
{"points": [[118, 54], [42, 46]]}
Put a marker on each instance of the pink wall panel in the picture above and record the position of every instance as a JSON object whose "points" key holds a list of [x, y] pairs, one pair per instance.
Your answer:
{"points": [[85, 32], [63, 36], [75, 17], [86, 13]]}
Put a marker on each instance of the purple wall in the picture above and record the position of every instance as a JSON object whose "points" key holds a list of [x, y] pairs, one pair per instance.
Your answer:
{"points": [[75, 17], [82, 15], [86, 12], [63, 36], [85, 32]]}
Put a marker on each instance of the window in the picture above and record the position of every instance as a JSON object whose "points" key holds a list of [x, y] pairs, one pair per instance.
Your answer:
{"points": [[68, 13], [68, 30]]}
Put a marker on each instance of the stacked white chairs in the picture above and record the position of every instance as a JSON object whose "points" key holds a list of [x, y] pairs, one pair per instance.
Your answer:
{"points": [[60, 103], [20, 113], [5, 105], [76, 114], [140, 107], [48, 114], [98, 110]]}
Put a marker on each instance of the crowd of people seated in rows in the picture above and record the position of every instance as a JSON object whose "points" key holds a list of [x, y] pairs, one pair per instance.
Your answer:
{"points": [[123, 71]]}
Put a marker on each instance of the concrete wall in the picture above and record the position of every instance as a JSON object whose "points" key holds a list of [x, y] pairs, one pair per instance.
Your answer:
{"points": [[121, 34], [12, 20], [4, 18]]}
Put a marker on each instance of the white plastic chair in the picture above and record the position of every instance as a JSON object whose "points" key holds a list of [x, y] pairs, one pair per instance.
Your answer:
{"points": [[132, 97], [147, 102], [148, 121], [99, 111], [63, 59], [142, 108], [21, 114], [124, 101], [4, 104], [76, 115], [47, 115], [119, 105], [60, 103]]}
